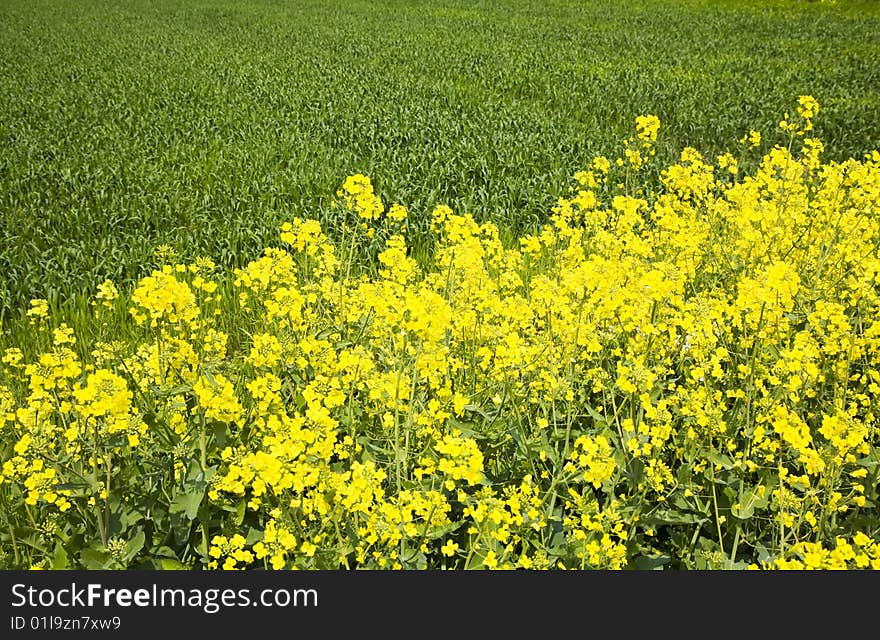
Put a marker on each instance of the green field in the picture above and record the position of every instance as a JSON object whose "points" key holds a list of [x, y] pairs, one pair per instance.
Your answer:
{"points": [[203, 124]]}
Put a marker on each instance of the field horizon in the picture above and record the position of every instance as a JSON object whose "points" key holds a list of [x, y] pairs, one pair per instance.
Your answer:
{"points": [[203, 125]]}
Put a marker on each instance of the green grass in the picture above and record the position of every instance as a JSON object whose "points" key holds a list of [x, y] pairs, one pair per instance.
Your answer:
{"points": [[202, 124]]}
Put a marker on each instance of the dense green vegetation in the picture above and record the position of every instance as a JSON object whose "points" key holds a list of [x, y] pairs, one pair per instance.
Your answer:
{"points": [[202, 124]]}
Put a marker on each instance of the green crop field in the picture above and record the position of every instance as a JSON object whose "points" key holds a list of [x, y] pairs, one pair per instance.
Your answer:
{"points": [[202, 124]]}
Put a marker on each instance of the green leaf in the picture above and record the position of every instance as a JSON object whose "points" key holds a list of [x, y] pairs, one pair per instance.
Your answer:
{"points": [[443, 531], [94, 559], [59, 560], [692, 506], [133, 547], [31, 538], [253, 536], [239, 513], [171, 564], [467, 430], [173, 391], [649, 563], [131, 516], [743, 512], [596, 416], [186, 503], [478, 410], [669, 516], [219, 429], [719, 459]]}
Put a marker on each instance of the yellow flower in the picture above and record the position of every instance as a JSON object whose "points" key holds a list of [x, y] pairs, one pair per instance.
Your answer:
{"points": [[39, 310], [449, 548], [647, 127], [106, 295]]}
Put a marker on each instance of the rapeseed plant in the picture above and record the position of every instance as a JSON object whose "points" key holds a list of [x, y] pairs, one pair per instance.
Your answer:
{"points": [[685, 376]]}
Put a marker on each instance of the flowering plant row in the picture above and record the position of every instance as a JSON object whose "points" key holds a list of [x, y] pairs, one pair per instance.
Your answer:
{"points": [[681, 376]]}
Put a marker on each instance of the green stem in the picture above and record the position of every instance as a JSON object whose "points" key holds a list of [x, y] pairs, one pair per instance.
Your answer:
{"points": [[715, 507], [108, 463]]}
